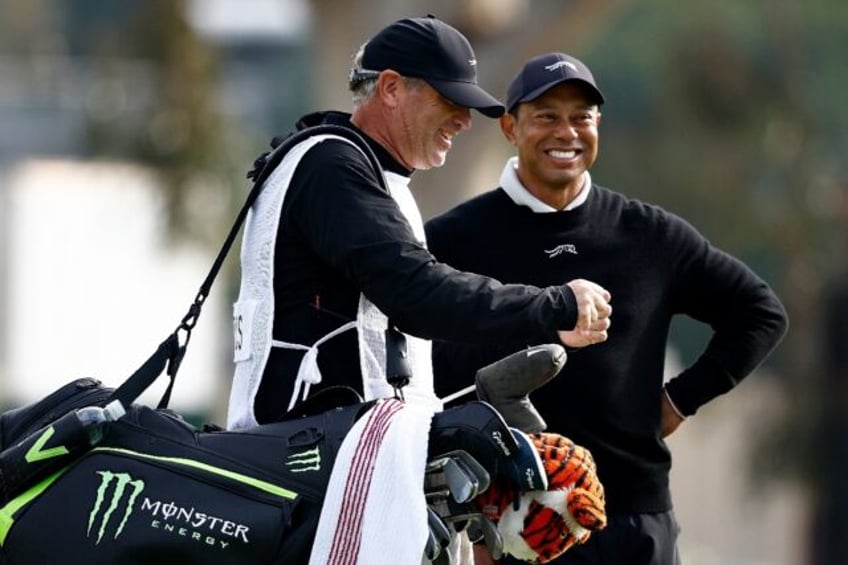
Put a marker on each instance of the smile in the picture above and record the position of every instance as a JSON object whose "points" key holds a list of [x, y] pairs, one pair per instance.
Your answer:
{"points": [[445, 137], [559, 154]]}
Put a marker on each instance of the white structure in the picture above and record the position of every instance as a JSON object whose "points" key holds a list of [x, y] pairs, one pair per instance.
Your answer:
{"points": [[93, 285]]}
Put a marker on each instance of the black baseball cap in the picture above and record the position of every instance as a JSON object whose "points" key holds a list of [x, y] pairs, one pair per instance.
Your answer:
{"points": [[429, 49], [541, 73]]}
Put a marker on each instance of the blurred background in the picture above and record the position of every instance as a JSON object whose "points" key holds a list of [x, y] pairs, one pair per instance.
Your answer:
{"points": [[126, 128]]}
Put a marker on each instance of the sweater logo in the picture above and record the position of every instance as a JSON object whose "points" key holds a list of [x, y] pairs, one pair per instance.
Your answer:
{"points": [[560, 249]]}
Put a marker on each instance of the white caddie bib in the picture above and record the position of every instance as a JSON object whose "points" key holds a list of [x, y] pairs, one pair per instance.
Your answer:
{"points": [[253, 313]]}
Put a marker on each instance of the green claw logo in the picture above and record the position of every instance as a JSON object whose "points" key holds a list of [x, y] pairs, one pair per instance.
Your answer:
{"points": [[125, 488], [309, 460]]}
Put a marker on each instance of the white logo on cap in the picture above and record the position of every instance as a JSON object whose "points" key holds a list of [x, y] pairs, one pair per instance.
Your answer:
{"points": [[472, 62], [559, 64]]}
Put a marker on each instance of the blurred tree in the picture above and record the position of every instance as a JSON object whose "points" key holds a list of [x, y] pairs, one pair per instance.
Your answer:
{"points": [[153, 100]]}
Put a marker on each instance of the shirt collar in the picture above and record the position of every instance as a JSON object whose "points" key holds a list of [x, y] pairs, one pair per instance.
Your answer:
{"points": [[522, 197]]}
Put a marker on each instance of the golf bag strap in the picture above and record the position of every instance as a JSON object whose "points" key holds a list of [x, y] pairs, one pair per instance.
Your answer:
{"points": [[171, 351]]}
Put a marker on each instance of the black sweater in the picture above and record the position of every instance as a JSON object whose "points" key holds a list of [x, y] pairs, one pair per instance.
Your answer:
{"points": [[655, 265], [341, 234]]}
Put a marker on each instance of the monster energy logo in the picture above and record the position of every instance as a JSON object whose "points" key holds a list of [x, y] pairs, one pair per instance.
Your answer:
{"points": [[123, 484], [304, 461]]}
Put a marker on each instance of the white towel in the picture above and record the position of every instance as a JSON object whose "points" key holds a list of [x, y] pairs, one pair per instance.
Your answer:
{"points": [[374, 510]]}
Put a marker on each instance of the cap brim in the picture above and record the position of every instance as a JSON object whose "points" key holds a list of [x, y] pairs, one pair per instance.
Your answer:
{"points": [[535, 93], [469, 95]]}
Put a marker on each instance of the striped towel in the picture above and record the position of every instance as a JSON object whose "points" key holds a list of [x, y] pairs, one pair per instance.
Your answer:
{"points": [[374, 510]]}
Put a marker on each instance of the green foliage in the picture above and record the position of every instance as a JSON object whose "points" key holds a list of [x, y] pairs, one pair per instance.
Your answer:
{"points": [[175, 126]]}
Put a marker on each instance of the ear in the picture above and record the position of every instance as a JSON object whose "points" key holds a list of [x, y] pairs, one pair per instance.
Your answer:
{"points": [[507, 122], [389, 87]]}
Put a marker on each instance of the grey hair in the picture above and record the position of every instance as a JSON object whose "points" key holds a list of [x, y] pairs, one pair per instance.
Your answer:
{"points": [[362, 82], [362, 87]]}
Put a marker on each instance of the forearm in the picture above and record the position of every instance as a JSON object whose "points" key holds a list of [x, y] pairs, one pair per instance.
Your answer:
{"points": [[731, 355], [746, 317], [434, 301], [359, 231]]}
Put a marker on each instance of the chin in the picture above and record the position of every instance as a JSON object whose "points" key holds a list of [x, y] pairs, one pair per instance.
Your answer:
{"points": [[434, 163]]}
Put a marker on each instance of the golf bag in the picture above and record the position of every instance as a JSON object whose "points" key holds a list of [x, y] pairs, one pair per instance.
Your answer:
{"points": [[155, 488]]}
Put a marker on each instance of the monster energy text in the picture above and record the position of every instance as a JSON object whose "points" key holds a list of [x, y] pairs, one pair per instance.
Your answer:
{"points": [[190, 523]]}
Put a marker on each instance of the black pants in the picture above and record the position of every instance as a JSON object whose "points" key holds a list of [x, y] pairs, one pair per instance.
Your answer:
{"points": [[628, 539]]}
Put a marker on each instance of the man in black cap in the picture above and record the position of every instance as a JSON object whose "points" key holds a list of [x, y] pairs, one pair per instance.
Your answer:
{"points": [[549, 222], [334, 253]]}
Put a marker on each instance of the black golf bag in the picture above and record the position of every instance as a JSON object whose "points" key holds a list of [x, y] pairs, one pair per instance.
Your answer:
{"points": [[156, 489]]}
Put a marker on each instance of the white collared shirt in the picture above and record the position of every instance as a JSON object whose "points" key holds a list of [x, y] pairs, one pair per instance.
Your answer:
{"points": [[523, 197]]}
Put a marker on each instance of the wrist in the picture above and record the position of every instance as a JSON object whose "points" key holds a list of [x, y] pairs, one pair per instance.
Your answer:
{"points": [[672, 404]]}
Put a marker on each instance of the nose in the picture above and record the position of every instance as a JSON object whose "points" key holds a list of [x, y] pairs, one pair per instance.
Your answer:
{"points": [[463, 118], [566, 130]]}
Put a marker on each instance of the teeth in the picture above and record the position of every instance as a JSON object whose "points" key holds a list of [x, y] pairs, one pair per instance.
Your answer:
{"points": [[557, 154]]}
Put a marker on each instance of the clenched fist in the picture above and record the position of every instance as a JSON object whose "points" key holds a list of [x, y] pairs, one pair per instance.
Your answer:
{"points": [[593, 314]]}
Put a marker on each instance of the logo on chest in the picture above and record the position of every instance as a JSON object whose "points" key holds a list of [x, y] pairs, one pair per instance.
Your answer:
{"points": [[560, 249]]}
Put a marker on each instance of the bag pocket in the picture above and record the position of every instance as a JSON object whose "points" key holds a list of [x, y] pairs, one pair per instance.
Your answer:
{"points": [[19, 422], [122, 506]]}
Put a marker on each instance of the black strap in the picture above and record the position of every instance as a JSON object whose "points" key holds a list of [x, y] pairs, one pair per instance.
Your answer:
{"points": [[170, 352]]}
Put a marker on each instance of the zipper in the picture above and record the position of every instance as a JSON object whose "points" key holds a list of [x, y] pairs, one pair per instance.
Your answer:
{"points": [[221, 460], [232, 481]]}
